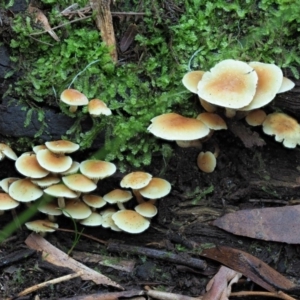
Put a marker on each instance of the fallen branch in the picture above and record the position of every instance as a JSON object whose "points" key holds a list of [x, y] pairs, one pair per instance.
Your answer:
{"points": [[181, 259]]}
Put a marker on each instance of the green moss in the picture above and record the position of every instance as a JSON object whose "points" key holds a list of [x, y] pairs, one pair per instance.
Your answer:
{"points": [[149, 85]]}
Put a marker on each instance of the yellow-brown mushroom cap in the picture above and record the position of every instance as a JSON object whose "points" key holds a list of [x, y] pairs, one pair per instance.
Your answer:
{"points": [[206, 161], [73, 97], [41, 226], [7, 202], [53, 162], [60, 190], [97, 169], [130, 221], [28, 165], [212, 121], [256, 117], [269, 81], [230, 83], [285, 128], [62, 146], [76, 209], [97, 107], [172, 127], [6, 151], [156, 188], [94, 201], [117, 195], [146, 209], [24, 190], [191, 79], [79, 183], [136, 180]]}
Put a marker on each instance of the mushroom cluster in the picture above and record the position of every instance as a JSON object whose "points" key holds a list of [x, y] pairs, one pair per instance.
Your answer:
{"points": [[235, 86], [74, 98], [49, 170]]}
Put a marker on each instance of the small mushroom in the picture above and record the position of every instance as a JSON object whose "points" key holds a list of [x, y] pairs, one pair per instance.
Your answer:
{"points": [[93, 201], [256, 117], [62, 146], [76, 209], [74, 98], [118, 197], [97, 107], [146, 209], [285, 128], [286, 85], [41, 226], [135, 181], [206, 161], [7, 202], [6, 151], [94, 219]]}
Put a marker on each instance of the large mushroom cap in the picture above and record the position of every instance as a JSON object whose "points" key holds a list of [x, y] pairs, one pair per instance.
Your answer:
{"points": [[130, 221], [28, 166], [230, 83], [269, 81], [172, 126], [285, 128]]}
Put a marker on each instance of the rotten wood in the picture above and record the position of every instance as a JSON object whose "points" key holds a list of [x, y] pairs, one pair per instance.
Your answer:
{"points": [[181, 259], [105, 25]]}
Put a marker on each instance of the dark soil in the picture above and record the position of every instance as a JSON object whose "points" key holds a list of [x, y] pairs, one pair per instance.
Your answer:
{"points": [[242, 174]]}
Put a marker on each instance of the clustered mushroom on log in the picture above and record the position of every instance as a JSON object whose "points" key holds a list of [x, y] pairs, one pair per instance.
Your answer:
{"points": [[235, 86], [49, 171]]}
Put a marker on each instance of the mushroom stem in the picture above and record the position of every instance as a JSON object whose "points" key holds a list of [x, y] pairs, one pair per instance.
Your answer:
{"points": [[229, 112], [121, 206], [152, 201], [61, 202], [73, 108], [138, 196]]}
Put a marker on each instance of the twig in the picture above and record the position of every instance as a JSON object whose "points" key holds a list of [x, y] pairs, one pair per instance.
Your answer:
{"points": [[62, 25], [280, 295], [182, 259], [47, 283]]}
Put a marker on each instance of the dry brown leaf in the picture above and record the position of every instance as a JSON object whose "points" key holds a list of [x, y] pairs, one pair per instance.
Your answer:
{"points": [[57, 257], [250, 266], [219, 287], [280, 224]]}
